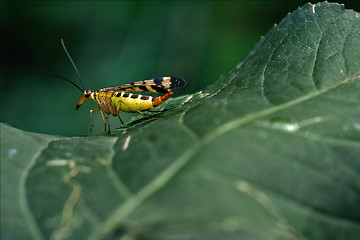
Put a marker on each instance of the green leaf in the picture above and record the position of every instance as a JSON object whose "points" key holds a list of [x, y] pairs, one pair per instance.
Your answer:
{"points": [[269, 151]]}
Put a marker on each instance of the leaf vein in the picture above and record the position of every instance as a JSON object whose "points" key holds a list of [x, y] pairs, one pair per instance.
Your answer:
{"points": [[33, 226], [316, 58], [118, 183]]}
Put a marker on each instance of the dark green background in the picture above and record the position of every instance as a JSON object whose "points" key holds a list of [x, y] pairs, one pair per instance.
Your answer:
{"points": [[119, 42]]}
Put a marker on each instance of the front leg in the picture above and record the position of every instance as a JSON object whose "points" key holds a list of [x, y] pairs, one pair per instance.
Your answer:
{"points": [[91, 119]]}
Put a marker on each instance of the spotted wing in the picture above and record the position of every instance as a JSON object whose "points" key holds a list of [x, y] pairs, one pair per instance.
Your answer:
{"points": [[157, 85]]}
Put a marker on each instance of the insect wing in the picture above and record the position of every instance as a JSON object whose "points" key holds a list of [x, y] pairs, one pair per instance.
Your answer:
{"points": [[157, 85]]}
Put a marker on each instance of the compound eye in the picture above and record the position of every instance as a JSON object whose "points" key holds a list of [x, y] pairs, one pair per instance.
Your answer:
{"points": [[88, 93]]}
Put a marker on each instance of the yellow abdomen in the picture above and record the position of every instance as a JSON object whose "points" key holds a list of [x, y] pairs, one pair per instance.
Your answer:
{"points": [[128, 102]]}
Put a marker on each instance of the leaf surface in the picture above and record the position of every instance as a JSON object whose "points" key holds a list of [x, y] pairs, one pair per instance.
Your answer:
{"points": [[271, 150]]}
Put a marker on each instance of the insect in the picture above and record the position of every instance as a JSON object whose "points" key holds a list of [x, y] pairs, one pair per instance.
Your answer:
{"points": [[113, 99]]}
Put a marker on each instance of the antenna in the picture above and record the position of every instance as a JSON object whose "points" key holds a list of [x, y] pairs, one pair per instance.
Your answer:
{"points": [[57, 76], [72, 62]]}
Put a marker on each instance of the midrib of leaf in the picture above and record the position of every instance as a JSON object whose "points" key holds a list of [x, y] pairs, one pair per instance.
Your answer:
{"points": [[132, 203]]}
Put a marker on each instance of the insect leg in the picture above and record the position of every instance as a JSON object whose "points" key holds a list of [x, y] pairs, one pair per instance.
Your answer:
{"points": [[91, 118], [108, 123], [118, 107], [118, 110], [105, 121], [103, 117], [120, 119]]}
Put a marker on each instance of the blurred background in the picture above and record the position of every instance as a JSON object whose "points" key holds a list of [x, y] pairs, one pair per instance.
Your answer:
{"points": [[117, 42]]}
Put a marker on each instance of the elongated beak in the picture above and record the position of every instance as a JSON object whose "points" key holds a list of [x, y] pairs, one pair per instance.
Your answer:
{"points": [[82, 99]]}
